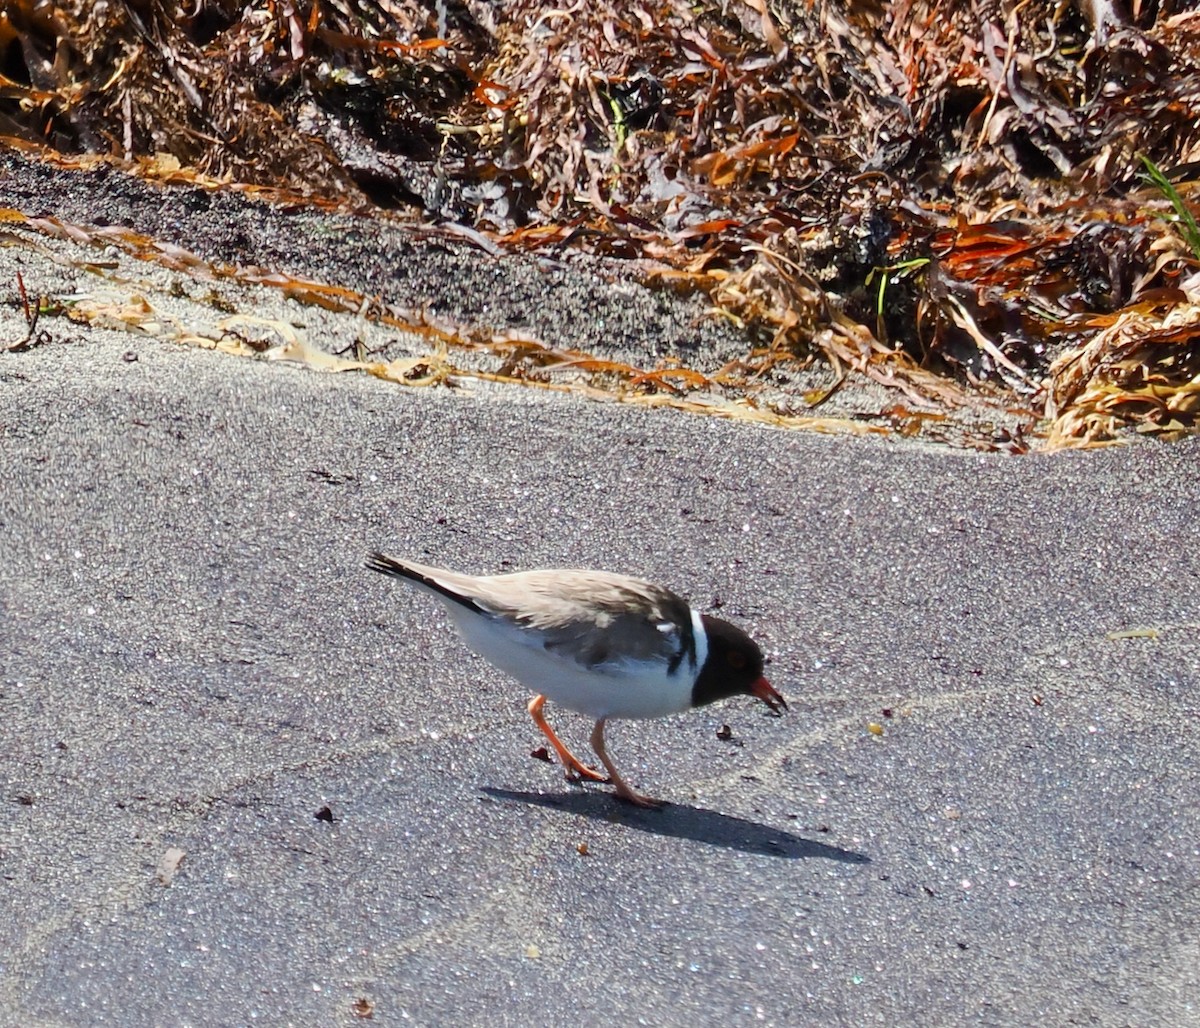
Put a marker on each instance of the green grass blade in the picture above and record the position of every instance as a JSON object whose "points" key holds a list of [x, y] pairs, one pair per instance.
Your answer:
{"points": [[1186, 222]]}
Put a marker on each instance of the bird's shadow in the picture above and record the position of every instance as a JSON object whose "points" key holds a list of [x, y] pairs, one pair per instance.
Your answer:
{"points": [[684, 822]]}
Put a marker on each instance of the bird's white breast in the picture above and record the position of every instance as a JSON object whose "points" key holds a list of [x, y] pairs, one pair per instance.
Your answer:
{"points": [[640, 689]]}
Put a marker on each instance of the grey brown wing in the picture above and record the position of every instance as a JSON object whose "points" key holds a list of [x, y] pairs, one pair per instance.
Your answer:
{"points": [[623, 643], [593, 619]]}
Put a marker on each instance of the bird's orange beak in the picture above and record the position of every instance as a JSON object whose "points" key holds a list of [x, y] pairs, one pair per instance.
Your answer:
{"points": [[765, 691]]}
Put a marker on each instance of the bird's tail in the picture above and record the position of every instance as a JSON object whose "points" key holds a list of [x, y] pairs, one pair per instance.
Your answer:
{"points": [[386, 565], [441, 582]]}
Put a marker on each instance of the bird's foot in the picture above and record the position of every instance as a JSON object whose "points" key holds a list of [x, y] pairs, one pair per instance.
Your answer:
{"points": [[574, 769], [578, 772], [637, 799]]}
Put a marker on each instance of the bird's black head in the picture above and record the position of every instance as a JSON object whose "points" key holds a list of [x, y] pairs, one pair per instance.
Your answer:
{"points": [[734, 667]]}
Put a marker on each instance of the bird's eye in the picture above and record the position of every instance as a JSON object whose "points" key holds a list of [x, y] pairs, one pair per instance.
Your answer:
{"points": [[736, 660]]}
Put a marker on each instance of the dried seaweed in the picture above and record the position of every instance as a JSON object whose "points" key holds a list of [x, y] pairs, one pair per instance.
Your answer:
{"points": [[786, 158]]}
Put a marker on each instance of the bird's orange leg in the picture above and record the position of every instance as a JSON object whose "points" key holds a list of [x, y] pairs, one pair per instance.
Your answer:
{"points": [[575, 769], [623, 790]]}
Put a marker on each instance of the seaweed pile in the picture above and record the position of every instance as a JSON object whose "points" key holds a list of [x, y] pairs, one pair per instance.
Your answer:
{"points": [[966, 202]]}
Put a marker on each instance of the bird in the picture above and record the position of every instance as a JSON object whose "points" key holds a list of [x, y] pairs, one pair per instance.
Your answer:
{"points": [[602, 644]]}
